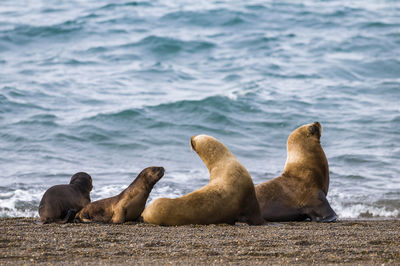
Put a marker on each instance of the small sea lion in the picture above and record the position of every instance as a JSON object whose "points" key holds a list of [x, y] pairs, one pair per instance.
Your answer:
{"points": [[126, 206], [60, 203], [300, 192], [228, 197]]}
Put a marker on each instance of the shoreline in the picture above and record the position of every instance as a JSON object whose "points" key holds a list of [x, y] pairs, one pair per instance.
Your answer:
{"points": [[347, 241]]}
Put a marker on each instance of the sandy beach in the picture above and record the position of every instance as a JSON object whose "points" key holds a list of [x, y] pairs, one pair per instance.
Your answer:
{"points": [[350, 242]]}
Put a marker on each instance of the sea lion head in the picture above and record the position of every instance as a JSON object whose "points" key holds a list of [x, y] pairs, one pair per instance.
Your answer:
{"points": [[304, 144], [83, 181], [209, 149], [308, 134], [315, 129], [152, 174]]}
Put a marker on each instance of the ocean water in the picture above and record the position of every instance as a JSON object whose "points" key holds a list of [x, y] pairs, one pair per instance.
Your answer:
{"points": [[111, 87]]}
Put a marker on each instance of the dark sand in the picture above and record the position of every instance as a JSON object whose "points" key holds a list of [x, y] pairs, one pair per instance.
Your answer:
{"points": [[351, 242]]}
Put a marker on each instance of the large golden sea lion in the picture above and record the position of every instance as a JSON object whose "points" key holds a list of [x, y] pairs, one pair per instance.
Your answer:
{"points": [[300, 192], [126, 206], [228, 197], [60, 203]]}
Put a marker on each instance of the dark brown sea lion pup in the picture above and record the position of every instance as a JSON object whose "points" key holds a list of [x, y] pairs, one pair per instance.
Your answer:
{"points": [[60, 203], [300, 192], [228, 197], [126, 206]]}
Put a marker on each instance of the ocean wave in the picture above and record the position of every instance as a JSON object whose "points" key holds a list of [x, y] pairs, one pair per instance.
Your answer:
{"points": [[8, 105], [381, 69], [68, 61], [149, 46], [40, 120], [225, 104], [360, 210], [358, 159], [20, 202], [166, 45], [114, 6], [261, 42], [164, 191], [106, 191], [21, 34], [361, 202], [122, 116], [209, 18], [379, 25], [214, 109]]}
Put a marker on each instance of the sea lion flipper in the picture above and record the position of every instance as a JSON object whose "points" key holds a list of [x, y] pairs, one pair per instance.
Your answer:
{"points": [[252, 214], [119, 216], [322, 211], [69, 218], [255, 220]]}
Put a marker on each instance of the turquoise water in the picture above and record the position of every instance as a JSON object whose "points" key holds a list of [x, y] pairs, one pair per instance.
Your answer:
{"points": [[112, 87]]}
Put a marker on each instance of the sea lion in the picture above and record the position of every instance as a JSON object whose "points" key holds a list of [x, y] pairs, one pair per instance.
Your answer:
{"points": [[61, 202], [228, 197], [126, 206], [300, 192]]}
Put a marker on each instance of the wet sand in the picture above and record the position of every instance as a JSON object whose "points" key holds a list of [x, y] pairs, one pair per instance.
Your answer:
{"points": [[350, 242]]}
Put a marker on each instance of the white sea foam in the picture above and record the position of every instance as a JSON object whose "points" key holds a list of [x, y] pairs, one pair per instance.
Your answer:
{"points": [[20, 203], [165, 191], [363, 211], [101, 192], [192, 177], [348, 204], [23, 203]]}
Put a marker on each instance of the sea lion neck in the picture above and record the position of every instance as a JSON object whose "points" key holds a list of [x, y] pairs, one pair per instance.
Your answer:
{"points": [[210, 150], [148, 177], [304, 155], [214, 159], [84, 187], [307, 162]]}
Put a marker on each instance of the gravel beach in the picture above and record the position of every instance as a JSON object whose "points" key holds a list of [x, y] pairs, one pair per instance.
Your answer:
{"points": [[350, 242]]}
